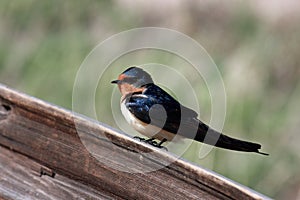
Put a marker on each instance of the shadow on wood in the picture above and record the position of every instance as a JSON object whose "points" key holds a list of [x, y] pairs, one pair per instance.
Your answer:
{"points": [[37, 134]]}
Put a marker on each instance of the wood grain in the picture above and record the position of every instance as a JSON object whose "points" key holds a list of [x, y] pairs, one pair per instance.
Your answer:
{"points": [[49, 135], [20, 179]]}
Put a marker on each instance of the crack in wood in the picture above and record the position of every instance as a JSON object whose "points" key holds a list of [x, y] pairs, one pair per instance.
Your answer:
{"points": [[47, 172]]}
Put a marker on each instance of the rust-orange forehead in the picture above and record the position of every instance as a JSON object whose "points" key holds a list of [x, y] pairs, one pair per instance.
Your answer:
{"points": [[126, 88], [122, 76]]}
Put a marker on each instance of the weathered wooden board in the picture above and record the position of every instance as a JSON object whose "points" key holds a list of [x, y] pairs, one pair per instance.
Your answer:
{"points": [[47, 134], [21, 179]]}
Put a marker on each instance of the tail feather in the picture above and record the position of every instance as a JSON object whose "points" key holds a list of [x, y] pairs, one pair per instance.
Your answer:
{"points": [[217, 139], [238, 145]]}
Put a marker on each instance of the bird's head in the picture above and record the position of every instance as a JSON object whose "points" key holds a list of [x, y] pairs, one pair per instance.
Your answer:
{"points": [[132, 80]]}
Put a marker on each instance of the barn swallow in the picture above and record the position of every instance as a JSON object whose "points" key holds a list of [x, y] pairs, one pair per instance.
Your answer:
{"points": [[156, 114]]}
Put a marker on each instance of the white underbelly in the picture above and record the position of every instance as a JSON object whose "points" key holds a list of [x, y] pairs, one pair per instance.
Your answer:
{"points": [[148, 130], [137, 124]]}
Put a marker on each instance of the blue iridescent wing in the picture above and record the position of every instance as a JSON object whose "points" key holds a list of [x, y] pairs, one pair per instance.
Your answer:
{"points": [[157, 107]]}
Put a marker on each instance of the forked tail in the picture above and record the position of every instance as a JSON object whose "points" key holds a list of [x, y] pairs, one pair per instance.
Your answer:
{"points": [[226, 142]]}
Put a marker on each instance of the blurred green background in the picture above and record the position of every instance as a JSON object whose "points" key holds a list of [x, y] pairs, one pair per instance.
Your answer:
{"points": [[255, 45]]}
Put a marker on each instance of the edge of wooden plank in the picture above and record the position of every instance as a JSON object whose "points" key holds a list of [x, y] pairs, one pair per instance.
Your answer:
{"points": [[206, 177]]}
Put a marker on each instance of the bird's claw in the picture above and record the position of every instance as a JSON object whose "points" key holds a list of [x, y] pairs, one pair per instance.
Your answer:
{"points": [[139, 138], [151, 142], [158, 145]]}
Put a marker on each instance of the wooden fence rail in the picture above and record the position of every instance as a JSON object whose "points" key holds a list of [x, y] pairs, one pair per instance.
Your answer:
{"points": [[43, 157]]}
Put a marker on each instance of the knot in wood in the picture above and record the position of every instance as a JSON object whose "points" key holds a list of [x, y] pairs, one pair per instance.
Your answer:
{"points": [[4, 111]]}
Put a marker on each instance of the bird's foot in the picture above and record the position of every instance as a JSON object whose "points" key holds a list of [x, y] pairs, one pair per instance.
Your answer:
{"points": [[139, 138], [152, 142], [158, 145]]}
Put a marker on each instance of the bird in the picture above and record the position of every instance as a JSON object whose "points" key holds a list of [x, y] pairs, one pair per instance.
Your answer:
{"points": [[157, 115]]}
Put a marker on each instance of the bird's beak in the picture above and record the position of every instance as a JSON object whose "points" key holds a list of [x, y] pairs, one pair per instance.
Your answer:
{"points": [[115, 81]]}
